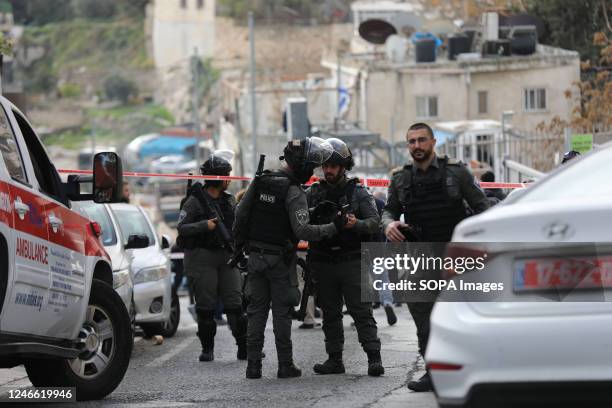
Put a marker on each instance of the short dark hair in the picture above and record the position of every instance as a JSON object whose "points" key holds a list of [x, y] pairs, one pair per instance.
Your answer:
{"points": [[487, 177], [421, 125]]}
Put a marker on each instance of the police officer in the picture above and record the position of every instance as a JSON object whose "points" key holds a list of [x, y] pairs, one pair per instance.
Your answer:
{"points": [[270, 220], [430, 193], [207, 256], [336, 263]]}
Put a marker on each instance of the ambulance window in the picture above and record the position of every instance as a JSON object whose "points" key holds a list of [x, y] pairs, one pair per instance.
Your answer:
{"points": [[45, 172], [10, 151]]}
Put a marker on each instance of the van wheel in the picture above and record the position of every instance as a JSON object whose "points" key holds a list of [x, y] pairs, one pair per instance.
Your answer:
{"points": [[106, 344], [167, 328]]}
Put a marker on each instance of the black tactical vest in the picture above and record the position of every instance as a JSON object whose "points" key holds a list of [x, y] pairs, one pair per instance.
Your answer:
{"points": [[428, 206], [345, 240], [269, 221]]}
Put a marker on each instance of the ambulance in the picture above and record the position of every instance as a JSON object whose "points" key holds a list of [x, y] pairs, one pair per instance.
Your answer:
{"points": [[59, 314]]}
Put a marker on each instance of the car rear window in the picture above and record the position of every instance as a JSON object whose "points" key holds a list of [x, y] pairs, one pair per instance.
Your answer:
{"points": [[132, 222], [98, 213]]}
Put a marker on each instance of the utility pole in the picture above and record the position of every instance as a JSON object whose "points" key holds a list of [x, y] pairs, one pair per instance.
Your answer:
{"points": [[339, 90], [252, 89], [93, 138], [195, 104]]}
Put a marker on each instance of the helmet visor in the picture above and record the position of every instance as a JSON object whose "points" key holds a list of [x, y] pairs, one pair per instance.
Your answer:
{"points": [[339, 147], [317, 151]]}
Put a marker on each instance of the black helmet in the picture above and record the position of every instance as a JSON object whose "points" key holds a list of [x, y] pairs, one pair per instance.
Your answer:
{"points": [[304, 155], [218, 164], [342, 154], [569, 156]]}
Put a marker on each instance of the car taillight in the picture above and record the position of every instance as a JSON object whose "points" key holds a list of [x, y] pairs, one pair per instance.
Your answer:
{"points": [[444, 367], [467, 251], [96, 229]]}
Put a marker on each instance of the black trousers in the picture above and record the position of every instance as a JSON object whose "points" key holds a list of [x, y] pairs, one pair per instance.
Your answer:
{"points": [[339, 283], [421, 313]]}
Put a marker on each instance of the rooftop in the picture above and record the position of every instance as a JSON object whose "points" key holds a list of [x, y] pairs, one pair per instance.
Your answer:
{"points": [[544, 56]]}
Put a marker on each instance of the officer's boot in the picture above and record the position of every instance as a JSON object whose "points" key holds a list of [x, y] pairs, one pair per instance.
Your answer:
{"points": [[288, 370], [423, 384], [237, 321], [253, 369], [333, 365], [207, 328], [375, 367]]}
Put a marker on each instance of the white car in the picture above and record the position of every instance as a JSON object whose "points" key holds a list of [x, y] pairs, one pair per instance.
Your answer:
{"points": [[121, 262], [551, 336], [59, 314], [157, 308]]}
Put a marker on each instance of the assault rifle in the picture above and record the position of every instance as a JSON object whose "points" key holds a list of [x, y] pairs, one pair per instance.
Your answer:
{"points": [[310, 288], [206, 202]]}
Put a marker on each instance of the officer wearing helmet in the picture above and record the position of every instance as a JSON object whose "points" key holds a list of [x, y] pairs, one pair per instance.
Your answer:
{"points": [[270, 221], [336, 260], [206, 255]]}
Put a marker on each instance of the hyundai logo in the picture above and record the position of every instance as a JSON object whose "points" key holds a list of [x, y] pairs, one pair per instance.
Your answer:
{"points": [[558, 231]]}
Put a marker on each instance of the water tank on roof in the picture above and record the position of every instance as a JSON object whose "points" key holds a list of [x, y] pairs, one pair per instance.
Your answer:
{"points": [[396, 48], [523, 20], [499, 48], [524, 42], [426, 50], [458, 44]]}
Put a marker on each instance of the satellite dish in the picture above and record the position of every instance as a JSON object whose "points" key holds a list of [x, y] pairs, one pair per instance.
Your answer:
{"points": [[395, 48], [376, 31]]}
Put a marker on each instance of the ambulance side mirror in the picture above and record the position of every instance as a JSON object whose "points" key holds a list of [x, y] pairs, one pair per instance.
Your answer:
{"points": [[107, 178]]}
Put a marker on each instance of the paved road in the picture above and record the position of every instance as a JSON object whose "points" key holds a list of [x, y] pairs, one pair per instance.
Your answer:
{"points": [[169, 375]]}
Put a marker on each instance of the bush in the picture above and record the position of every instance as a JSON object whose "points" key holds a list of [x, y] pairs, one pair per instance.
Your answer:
{"points": [[69, 91], [118, 88]]}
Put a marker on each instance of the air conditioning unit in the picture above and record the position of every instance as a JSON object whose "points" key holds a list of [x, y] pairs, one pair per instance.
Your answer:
{"points": [[298, 126]]}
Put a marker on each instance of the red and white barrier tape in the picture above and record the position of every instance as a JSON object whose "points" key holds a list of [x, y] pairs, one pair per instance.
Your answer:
{"points": [[367, 182]]}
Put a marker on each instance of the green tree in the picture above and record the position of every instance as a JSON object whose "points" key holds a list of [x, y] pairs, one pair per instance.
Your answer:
{"points": [[571, 24], [39, 12], [94, 8], [117, 87], [132, 8], [6, 45]]}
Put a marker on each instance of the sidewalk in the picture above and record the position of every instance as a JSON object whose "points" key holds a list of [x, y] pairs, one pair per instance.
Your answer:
{"points": [[14, 377]]}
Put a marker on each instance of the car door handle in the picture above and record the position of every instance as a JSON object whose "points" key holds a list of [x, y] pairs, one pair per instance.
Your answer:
{"points": [[55, 222], [21, 208]]}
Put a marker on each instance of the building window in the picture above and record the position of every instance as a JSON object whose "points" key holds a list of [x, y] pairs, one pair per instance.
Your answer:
{"points": [[426, 107], [183, 4], [483, 102], [200, 4], [535, 99]]}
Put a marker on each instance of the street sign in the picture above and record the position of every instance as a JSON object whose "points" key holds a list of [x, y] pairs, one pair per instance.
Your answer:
{"points": [[581, 143]]}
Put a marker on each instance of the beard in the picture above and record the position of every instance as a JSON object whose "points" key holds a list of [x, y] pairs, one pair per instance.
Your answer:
{"points": [[420, 155], [332, 178]]}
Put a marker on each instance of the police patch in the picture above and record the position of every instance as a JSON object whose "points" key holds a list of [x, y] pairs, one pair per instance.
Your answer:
{"points": [[182, 215], [302, 216], [267, 198]]}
